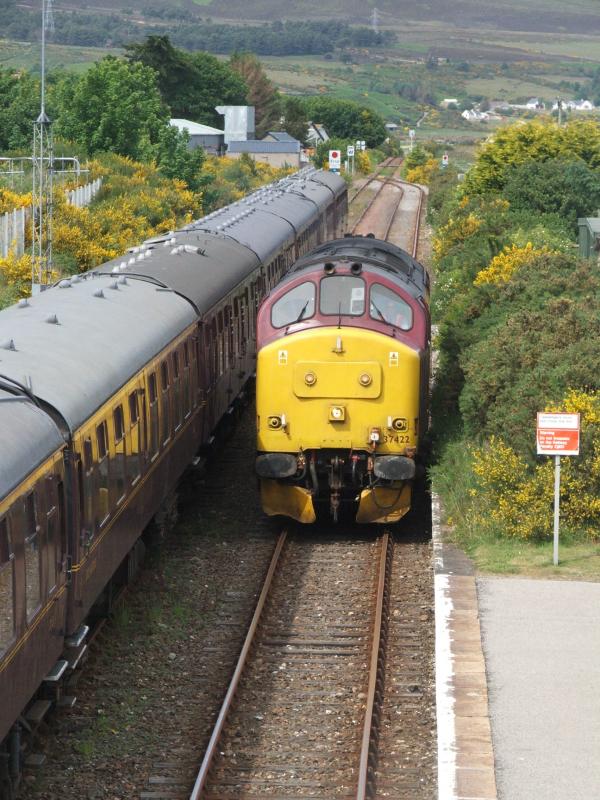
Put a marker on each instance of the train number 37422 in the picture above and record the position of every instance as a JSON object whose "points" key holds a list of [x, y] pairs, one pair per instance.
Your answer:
{"points": [[396, 438]]}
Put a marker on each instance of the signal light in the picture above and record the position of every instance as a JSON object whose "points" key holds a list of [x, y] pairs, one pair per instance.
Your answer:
{"points": [[329, 268], [356, 268]]}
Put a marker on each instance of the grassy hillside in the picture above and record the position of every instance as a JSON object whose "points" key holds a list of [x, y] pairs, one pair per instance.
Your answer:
{"points": [[579, 16]]}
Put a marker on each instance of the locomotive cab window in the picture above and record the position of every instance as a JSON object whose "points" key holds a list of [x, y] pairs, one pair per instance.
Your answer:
{"points": [[294, 306], [387, 306], [342, 294]]}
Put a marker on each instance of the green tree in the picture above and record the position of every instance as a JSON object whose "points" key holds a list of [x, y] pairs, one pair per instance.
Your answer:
{"points": [[115, 106], [172, 66], [534, 141], [347, 120], [557, 186], [295, 119], [262, 93], [19, 108], [191, 84], [176, 160]]}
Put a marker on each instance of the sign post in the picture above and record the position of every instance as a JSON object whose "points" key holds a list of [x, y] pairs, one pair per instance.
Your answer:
{"points": [[350, 154], [557, 434], [335, 160]]}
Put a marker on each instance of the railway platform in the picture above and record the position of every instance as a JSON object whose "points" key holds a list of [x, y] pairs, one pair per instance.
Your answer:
{"points": [[518, 667]]}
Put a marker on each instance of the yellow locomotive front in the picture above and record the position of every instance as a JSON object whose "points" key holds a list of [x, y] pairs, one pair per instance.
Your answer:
{"points": [[340, 400]]}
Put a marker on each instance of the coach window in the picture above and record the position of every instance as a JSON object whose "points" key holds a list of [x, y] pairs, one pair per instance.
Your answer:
{"points": [[213, 353], [294, 306], [32, 556], [89, 491], [237, 325], [221, 343], [165, 402], [119, 458], [103, 472], [185, 388], [153, 429], [7, 589], [52, 540], [342, 294], [229, 337], [177, 391], [134, 465], [388, 307]]}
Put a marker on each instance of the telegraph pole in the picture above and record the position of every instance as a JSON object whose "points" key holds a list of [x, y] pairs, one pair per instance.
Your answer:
{"points": [[375, 20]]}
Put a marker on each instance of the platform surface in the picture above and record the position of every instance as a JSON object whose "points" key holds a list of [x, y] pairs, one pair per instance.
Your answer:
{"points": [[541, 642]]}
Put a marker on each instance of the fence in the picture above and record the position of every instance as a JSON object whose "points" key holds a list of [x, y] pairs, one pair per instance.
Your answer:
{"points": [[83, 195], [12, 231], [13, 223]]}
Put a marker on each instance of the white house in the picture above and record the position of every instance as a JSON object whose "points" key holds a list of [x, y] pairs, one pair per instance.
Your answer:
{"points": [[574, 105], [471, 115], [535, 104], [316, 134], [449, 101]]}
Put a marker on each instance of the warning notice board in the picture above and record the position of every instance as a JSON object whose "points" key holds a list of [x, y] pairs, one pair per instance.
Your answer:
{"points": [[557, 434]]}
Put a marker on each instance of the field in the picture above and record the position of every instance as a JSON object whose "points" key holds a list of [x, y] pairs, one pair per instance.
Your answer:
{"points": [[26, 55], [432, 59]]}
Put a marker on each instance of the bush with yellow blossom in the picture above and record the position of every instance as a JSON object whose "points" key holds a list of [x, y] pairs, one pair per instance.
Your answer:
{"points": [[516, 498], [503, 266]]}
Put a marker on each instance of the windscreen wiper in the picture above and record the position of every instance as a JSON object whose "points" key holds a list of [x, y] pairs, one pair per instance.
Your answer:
{"points": [[387, 322]]}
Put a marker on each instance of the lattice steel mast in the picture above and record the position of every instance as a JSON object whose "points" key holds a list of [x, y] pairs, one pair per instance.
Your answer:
{"points": [[42, 175]]}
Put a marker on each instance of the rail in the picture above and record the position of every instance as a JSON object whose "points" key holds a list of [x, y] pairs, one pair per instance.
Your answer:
{"points": [[375, 689], [220, 723], [375, 643]]}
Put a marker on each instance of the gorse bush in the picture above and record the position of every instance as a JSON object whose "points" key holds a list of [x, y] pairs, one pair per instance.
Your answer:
{"points": [[136, 202], [519, 329], [516, 499]]}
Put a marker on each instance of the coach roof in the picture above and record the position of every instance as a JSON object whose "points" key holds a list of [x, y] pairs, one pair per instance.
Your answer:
{"points": [[79, 342], [29, 436]]}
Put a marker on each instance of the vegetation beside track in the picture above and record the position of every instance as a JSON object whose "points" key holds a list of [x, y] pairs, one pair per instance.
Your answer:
{"points": [[519, 332], [136, 202]]}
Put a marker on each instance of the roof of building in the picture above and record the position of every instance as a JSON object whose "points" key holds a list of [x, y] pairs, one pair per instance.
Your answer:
{"points": [[280, 136], [195, 128], [317, 131], [254, 146]]}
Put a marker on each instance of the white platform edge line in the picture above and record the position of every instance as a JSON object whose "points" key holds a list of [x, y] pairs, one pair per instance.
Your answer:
{"points": [[445, 702]]}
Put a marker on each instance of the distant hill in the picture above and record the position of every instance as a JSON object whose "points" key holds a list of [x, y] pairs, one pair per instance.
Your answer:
{"points": [[577, 16]]}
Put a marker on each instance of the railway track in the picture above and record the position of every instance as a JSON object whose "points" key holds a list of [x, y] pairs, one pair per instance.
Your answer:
{"points": [[305, 714], [380, 214], [301, 713]]}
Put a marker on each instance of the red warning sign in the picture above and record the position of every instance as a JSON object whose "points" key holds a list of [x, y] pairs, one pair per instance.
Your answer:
{"points": [[557, 434], [335, 158]]}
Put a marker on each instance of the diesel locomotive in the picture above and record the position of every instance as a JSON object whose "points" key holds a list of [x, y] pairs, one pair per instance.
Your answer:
{"points": [[110, 384], [342, 383]]}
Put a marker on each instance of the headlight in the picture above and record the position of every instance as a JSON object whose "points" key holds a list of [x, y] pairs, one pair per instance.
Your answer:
{"points": [[337, 413]]}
